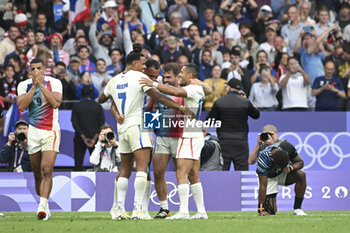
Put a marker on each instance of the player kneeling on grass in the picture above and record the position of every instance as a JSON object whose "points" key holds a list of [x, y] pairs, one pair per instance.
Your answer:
{"points": [[279, 164]]}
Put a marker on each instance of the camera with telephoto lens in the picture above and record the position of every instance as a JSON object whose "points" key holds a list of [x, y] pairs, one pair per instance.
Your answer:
{"points": [[20, 137], [108, 136], [264, 137]]}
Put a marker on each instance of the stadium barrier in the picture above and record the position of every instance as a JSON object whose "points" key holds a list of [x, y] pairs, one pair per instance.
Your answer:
{"points": [[321, 138], [223, 191]]}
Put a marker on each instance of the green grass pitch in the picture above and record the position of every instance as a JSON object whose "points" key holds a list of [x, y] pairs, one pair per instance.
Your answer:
{"points": [[237, 221]]}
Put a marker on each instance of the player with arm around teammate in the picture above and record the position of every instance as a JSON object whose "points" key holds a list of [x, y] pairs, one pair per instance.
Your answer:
{"points": [[190, 143], [134, 141]]}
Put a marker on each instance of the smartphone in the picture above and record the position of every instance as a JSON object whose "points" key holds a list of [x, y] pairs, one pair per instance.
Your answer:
{"points": [[308, 28], [249, 45]]}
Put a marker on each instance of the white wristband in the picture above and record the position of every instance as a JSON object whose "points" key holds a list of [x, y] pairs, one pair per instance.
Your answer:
{"points": [[155, 84]]}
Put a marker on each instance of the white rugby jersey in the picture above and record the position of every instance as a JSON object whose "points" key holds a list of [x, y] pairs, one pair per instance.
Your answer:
{"points": [[129, 97], [194, 102]]}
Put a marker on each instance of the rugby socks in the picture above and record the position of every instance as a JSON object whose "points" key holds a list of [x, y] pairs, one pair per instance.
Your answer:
{"points": [[183, 190], [44, 202], [122, 186], [297, 202], [139, 186], [164, 205], [145, 199], [115, 199], [197, 191]]}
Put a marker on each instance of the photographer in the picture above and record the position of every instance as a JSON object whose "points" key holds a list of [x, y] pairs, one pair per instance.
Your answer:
{"points": [[15, 152], [276, 167], [106, 154]]}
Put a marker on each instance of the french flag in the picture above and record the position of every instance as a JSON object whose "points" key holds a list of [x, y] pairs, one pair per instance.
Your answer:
{"points": [[12, 116], [79, 10]]}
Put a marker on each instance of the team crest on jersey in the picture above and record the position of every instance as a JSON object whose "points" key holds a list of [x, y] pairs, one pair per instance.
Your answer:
{"points": [[152, 120]]}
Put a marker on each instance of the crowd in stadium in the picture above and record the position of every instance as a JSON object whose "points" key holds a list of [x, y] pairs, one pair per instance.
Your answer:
{"points": [[288, 55]]}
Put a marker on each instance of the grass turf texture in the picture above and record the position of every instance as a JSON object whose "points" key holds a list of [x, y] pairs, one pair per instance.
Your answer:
{"points": [[237, 221]]}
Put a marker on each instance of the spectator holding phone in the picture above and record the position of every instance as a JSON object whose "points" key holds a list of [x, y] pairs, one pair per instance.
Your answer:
{"points": [[328, 89], [261, 62], [294, 85]]}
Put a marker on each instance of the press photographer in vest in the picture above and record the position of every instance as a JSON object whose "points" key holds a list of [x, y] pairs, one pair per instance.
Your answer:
{"points": [[106, 156], [15, 152]]}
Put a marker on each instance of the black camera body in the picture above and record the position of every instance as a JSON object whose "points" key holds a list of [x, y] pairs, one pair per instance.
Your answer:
{"points": [[20, 137], [108, 136], [264, 137]]}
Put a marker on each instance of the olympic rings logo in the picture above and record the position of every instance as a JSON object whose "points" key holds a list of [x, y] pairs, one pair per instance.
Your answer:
{"points": [[172, 191], [324, 149]]}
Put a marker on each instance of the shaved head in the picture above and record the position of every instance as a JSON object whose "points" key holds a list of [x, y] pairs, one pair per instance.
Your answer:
{"points": [[269, 129]]}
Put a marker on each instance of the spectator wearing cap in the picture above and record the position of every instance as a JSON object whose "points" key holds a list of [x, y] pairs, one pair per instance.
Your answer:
{"points": [[22, 21], [344, 18], [233, 111], [188, 11], [104, 44], [291, 30], [7, 45], [116, 67], [107, 16], [73, 69], [184, 28], [151, 9], [268, 46], [15, 151], [328, 89], [56, 43], [312, 52], [261, 22]]}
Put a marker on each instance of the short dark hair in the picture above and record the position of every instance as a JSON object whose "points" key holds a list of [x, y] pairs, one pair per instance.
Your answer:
{"points": [[134, 55], [39, 31], [171, 67], [116, 49], [19, 38], [13, 25], [83, 47], [106, 127], [193, 68], [9, 65], [280, 158], [100, 59], [37, 60], [60, 63], [291, 58], [15, 58], [152, 63]]}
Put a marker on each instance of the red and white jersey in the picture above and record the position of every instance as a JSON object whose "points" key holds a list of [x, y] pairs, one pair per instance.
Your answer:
{"points": [[41, 114]]}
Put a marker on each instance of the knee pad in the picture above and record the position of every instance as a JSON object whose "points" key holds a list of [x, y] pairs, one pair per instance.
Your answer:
{"points": [[270, 204]]}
